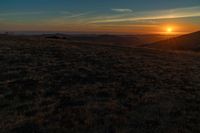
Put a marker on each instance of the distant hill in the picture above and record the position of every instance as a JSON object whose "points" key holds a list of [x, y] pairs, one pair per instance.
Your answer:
{"points": [[107, 39], [129, 40], [188, 42], [152, 38]]}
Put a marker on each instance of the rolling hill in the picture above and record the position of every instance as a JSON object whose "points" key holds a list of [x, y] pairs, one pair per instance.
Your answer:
{"points": [[122, 40], [189, 42], [57, 86]]}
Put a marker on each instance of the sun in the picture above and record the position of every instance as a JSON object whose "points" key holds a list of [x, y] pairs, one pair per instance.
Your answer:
{"points": [[169, 30]]}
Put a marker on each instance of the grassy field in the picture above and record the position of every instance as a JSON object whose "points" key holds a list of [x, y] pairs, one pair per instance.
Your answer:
{"points": [[56, 86]]}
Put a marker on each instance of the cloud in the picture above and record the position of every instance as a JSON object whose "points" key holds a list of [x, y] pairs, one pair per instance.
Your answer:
{"points": [[75, 15], [44, 17], [67, 18], [121, 10], [153, 15]]}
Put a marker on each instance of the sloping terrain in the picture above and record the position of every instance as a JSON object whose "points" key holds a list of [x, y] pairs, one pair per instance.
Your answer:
{"points": [[189, 42], [125, 40], [152, 38], [106, 39], [52, 86]]}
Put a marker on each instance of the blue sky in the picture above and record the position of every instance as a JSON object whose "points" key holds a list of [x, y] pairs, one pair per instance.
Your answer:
{"points": [[131, 16]]}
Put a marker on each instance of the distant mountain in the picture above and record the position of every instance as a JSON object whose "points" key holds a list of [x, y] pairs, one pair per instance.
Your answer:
{"points": [[188, 42]]}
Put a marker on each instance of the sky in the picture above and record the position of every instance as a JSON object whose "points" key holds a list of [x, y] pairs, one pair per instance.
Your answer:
{"points": [[101, 16]]}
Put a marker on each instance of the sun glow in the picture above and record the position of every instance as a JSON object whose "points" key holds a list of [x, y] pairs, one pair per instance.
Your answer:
{"points": [[169, 30]]}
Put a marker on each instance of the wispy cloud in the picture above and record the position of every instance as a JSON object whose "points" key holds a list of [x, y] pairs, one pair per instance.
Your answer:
{"points": [[45, 17], [153, 15], [77, 15], [68, 18], [122, 10]]}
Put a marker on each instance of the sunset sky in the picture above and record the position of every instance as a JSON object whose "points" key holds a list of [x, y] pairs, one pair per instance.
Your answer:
{"points": [[101, 16]]}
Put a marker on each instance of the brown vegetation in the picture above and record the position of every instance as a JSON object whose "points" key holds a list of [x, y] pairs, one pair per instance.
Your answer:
{"points": [[56, 86], [189, 42]]}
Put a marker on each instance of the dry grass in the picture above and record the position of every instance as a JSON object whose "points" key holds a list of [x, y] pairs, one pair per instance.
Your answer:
{"points": [[53, 86]]}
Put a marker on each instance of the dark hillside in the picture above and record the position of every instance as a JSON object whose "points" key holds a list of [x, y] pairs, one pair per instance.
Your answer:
{"points": [[189, 42], [53, 86]]}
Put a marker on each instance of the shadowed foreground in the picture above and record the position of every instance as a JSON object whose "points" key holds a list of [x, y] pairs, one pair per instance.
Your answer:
{"points": [[53, 86]]}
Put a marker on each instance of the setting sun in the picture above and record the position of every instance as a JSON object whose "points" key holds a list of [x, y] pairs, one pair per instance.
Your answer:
{"points": [[169, 30]]}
